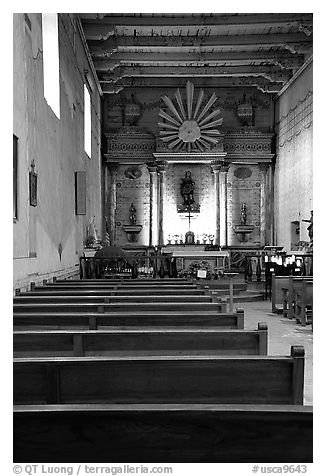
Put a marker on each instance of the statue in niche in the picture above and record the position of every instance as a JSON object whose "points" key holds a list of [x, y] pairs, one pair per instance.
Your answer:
{"points": [[187, 187], [132, 214], [243, 214]]}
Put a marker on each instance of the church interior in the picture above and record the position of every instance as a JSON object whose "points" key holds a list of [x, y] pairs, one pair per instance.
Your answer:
{"points": [[162, 237]]}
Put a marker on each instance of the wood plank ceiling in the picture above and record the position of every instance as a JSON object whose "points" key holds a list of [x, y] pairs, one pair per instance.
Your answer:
{"points": [[218, 50]]}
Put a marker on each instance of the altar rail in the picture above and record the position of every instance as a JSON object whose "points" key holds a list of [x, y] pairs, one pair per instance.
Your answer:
{"points": [[126, 267]]}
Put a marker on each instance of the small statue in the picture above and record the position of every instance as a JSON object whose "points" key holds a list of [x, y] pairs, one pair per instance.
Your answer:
{"points": [[187, 189], [132, 214], [243, 214]]}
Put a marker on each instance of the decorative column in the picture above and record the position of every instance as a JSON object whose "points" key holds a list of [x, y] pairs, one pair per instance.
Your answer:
{"points": [[152, 169], [161, 168], [263, 168], [113, 169], [216, 166], [223, 202]]}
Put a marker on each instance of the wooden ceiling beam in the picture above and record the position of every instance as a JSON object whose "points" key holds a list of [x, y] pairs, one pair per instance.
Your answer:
{"points": [[260, 83], [210, 20], [199, 71], [202, 57], [122, 43], [286, 61]]}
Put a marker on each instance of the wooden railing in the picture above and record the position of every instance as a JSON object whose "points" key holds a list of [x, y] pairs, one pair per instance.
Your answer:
{"points": [[127, 267]]}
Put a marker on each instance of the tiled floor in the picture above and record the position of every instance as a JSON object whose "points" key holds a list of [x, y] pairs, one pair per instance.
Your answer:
{"points": [[282, 333]]}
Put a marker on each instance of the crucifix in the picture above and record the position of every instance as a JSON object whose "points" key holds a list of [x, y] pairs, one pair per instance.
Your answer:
{"points": [[189, 217]]}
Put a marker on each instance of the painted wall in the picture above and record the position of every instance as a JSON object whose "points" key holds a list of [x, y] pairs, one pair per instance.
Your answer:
{"points": [[293, 180], [57, 148]]}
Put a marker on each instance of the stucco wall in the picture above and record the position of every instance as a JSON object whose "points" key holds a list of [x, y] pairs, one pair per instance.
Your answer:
{"points": [[293, 180], [57, 148]]}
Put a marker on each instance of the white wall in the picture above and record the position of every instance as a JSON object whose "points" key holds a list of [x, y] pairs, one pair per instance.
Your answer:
{"points": [[57, 148], [293, 179]]}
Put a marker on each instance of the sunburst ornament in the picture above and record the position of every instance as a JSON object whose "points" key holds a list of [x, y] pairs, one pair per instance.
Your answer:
{"points": [[191, 130]]}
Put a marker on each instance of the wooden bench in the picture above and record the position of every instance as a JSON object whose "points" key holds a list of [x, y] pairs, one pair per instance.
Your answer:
{"points": [[120, 285], [81, 307], [180, 433], [159, 340], [29, 298], [123, 291], [160, 379], [303, 303], [93, 321], [129, 281], [289, 290]]}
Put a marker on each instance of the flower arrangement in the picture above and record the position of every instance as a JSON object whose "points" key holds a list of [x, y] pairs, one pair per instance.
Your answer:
{"points": [[191, 271]]}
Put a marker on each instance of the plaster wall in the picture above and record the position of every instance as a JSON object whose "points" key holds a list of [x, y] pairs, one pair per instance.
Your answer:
{"points": [[49, 238], [293, 179]]}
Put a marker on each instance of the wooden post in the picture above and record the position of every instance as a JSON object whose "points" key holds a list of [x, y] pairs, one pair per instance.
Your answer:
{"points": [[263, 338], [78, 345], [272, 293], [240, 318], [52, 379], [231, 294], [92, 323], [298, 354], [223, 304]]}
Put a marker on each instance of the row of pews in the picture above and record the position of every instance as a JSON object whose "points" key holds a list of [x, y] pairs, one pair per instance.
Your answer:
{"points": [[150, 371], [293, 297]]}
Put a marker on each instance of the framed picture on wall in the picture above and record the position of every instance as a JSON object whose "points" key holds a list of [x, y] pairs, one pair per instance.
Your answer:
{"points": [[33, 188]]}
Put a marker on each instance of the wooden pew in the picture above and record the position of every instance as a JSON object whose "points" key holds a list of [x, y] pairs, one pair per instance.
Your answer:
{"points": [[289, 290], [303, 303], [142, 298], [119, 285], [93, 321], [123, 291], [62, 343], [179, 433], [278, 284], [160, 379], [81, 307], [129, 281]]}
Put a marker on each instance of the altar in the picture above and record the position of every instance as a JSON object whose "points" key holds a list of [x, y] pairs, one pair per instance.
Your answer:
{"points": [[187, 254]]}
